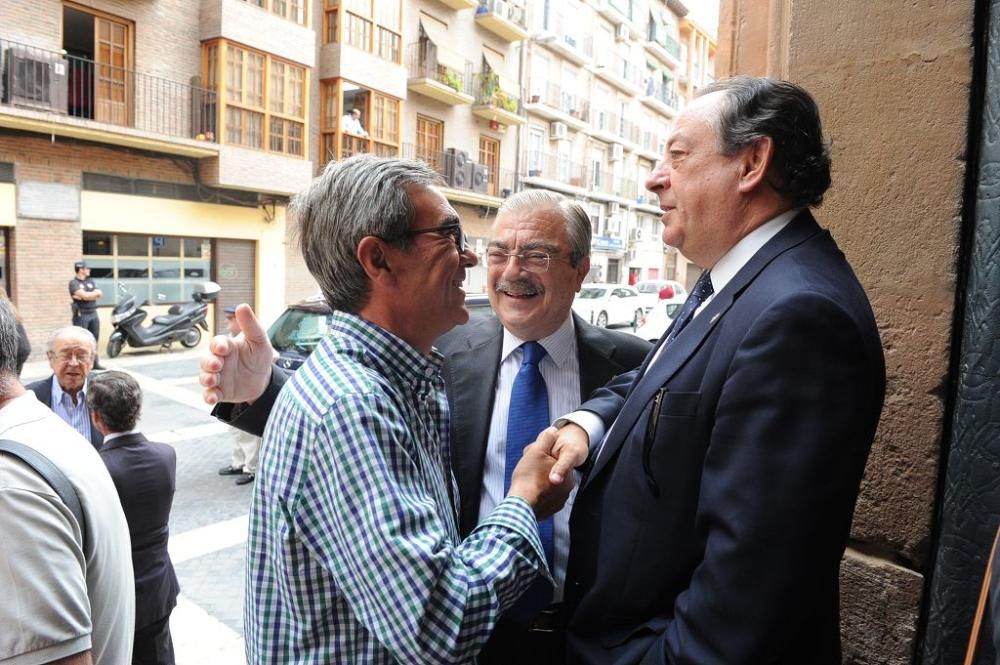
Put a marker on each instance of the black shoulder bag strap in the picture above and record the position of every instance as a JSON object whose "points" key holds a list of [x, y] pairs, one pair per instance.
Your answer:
{"points": [[44, 467]]}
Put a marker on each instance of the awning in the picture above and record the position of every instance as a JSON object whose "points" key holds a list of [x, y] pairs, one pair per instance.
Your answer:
{"points": [[439, 35], [508, 83]]}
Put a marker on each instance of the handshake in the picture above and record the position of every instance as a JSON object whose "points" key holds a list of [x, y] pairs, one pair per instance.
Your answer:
{"points": [[540, 476]]}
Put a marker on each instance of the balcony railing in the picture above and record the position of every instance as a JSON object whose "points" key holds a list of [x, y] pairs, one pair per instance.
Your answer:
{"points": [[629, 131], [624, 7], [658, 90], [607, 183], [658, 35], [558, 97], [66, 85], [421, 59], [554, 167], [650, 142], [488, 93], [626, 70], [504, 9]]}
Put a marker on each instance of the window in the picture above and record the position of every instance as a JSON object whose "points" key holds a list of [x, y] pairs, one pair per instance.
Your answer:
{"points": [[293, 10], [489, 156], [99, 74], [147, 266], [379, 118], [430, 142], [264, 101], [374, 26]]}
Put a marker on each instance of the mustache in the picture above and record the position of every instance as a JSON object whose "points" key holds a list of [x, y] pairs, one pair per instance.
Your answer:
{"points": [[518, 287]]}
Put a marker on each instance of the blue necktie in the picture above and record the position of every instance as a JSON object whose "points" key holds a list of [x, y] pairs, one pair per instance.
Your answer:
{"points": [[527, 416], [702, 290]]}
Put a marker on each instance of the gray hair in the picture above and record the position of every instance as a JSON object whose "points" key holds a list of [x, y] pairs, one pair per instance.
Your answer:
{"points": [[8, 341], [116, 397], [353, 198], [572, 212], [755, 107], [72, 332]]}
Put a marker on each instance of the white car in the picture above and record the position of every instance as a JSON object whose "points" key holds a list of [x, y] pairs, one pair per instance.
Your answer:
{"points": [[649, 291], [608, 304], [658, 319]]}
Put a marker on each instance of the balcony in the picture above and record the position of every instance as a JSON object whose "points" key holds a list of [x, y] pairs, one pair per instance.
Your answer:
{"points": [[494, 104], [621, 73], [605, 186], [558, 36], [605, 126], [472, 183], [432, 79], [660, 97], [503, 18], [651, 147], [663, 46], [558, 104], [63, 95], [460, 4], [554, 172]]}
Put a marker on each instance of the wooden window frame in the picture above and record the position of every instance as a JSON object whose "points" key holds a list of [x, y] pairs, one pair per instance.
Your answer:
{"points": [[384, 131], [291, 112], [431, 153], [346, 23], [493, 166], [288, 13]]}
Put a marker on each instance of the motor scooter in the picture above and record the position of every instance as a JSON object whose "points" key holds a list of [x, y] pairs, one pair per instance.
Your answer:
{"points": [[180, 324]]}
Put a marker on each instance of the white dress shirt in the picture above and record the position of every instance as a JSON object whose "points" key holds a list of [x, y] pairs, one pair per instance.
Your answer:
{"points": [[721, 274], [76, 415], [561, 370]]}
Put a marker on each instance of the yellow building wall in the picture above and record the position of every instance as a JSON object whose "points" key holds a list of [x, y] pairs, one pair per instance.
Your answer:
{"points": [[119, 213]]}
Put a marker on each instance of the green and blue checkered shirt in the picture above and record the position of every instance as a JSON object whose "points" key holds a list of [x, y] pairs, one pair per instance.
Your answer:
{"points": [[354, 554]]}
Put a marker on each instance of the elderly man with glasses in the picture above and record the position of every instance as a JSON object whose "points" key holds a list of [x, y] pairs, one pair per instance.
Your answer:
{"points": [[72, 352], [506, 378]]}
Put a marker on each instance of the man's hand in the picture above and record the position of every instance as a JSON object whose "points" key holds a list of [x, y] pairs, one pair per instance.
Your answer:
{"points": [[570, 446], [530, 480], [237, 369]]}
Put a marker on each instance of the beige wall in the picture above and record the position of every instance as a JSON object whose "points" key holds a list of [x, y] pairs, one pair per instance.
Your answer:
{"points": [[892, 79]]}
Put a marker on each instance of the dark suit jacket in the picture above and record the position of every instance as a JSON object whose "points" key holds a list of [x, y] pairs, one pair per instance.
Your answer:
{"points": [[472, 363], [43, 391], [144, 474], [713, 534]]}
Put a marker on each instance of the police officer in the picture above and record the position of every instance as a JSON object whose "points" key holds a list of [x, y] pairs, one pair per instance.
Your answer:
{"points": [[85, 295]]}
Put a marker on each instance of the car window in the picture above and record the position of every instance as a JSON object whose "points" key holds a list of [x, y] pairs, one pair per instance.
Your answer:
{"points": [[591, 293], [648, 287], [299, 330], [673, 309], [628, 293]]}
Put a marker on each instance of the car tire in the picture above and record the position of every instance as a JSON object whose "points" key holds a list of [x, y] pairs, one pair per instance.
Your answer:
{"points": [[602, 320], [115, 346]]}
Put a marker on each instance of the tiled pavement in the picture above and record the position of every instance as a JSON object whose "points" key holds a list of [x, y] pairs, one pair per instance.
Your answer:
{"points": [[208, 521]]}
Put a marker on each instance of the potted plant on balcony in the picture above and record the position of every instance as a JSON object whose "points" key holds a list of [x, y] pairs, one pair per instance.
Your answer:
{"points": [[452, 80]]}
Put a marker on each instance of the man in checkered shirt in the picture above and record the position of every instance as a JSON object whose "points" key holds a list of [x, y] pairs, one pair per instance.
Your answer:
{"points": [[354, 554]]}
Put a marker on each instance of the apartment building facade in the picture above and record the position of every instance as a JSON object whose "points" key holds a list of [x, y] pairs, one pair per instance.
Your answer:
{"points": [[161, 141]]}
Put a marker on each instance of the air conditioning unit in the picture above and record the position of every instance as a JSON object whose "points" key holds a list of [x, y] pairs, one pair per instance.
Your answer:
{"points": [[613, 208], [617, 152], [622, 33], [457, 168], [635, 235], [37, 79], [480, 178], [558, 131]]}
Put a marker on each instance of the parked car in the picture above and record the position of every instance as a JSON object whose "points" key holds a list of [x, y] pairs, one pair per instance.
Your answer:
{"points": [[649, 291], [300, 328], [656, 321], [608, 304]]}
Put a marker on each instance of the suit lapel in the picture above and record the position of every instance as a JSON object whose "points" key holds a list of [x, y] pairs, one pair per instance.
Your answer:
{"points": [[658, 373], [472, 377], [595, 353]]}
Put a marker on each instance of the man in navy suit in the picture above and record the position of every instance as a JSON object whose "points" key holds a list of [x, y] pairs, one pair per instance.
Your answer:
{"points": [[722, 481], [536, 262], [72, 352], [144, 474]]}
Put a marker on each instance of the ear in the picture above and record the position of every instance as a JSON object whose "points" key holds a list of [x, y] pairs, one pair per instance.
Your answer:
{"points": [[582, 268], [374, 260], [754, 163]]}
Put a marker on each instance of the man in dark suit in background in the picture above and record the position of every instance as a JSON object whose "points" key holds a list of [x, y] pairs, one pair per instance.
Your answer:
{"points": [[71, 351], [536, 262], [711, 525], [144, 474]]}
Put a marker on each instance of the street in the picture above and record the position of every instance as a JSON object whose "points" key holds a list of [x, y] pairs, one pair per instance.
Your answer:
{"points": [[208, 525]]}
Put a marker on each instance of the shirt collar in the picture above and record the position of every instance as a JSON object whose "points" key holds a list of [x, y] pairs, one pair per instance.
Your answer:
{"points": [[58, 392], [389, 354], [740, 254], [559, 346], [115, 435]]}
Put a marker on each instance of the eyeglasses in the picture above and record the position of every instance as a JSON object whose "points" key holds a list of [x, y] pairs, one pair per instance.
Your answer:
{"points": [[533, 261], [82, 357], [453, 230]]}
